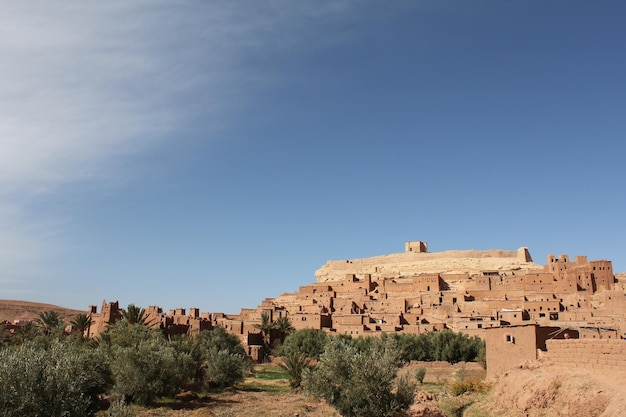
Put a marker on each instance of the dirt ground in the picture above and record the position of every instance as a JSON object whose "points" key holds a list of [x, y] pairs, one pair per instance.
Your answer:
{"points": [[247, 404], [258, 397], [537, 390], [255, 397]]}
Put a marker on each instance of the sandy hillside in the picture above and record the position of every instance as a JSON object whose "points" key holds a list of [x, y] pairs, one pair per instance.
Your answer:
{"points": [[546, 391], [11, 310]]}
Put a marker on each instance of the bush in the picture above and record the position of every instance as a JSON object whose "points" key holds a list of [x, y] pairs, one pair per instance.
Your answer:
{"points": [[220, 358], [309, 342], [420, 374], [295, 363], [60, 381], [225, 369], [123, 334], [455, 347], [150, 370], [359, 383], [414, 347]]}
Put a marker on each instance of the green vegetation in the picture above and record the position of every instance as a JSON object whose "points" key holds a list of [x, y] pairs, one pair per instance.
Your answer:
{"points": [[62, 380], [295, 363], [420, 374], [359, 383], [271, 373], [444, 345], [48, 373], [309, 342], [149, 370], [48, 321], [81, 323], [283, 327]]}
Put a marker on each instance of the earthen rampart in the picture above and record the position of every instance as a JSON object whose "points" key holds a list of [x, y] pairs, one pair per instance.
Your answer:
{"points": [[597, 354]]}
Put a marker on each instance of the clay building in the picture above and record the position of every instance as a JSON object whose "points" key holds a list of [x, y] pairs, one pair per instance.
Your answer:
{"points": [[177, 322]]}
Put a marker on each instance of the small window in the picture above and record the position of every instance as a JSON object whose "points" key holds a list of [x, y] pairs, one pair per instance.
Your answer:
{"points": [[510, 338]]}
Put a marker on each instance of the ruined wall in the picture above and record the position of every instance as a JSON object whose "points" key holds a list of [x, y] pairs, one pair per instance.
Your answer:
{"points": [[587, 353]]}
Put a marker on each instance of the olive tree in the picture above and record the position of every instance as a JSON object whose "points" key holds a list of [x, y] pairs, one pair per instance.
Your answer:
{"points": [[152, 368], [61, 380], [360, 382]]}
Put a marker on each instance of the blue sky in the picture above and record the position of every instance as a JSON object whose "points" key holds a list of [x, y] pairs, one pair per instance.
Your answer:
{"points": [[212, 154]]}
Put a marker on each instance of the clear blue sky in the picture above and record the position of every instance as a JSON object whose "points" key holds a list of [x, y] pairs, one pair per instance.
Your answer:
{"points": [[212, 154]]}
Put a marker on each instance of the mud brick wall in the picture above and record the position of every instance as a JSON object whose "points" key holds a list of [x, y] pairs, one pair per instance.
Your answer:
{"points": [[604, 354]]}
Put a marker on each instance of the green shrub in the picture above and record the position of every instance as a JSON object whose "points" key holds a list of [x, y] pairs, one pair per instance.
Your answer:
{"points": [[225, 369], [295, 363], [420, 374], [149, 370], [414, 347], [359, 383], [455, 347], [123, 334], [481, 358], [219, 357], [309, 342], [221, 340], [60, 381]]}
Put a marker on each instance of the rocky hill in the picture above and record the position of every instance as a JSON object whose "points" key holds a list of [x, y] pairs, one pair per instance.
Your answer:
{"points": [[415, 263]]}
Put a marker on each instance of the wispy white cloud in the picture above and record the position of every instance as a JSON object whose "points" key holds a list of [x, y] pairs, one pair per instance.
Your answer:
{"points": [[84, 86], [82, 83]]}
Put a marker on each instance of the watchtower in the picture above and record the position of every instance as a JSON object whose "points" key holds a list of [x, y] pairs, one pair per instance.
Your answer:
{"points": [[416, 246]]}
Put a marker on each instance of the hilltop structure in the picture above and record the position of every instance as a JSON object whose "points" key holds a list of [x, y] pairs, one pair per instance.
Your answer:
{"points": [[418, 291]]}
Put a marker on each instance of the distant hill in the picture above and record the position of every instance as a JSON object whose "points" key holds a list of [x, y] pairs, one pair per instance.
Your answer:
{"points": [[11, 310]]}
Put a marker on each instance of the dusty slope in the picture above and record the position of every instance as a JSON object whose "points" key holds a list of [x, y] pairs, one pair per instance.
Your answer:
{"points": [[11, 310], [545, 391]]}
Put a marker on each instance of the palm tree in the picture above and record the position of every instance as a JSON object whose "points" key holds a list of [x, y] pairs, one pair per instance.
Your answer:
{"points": [[284, 327], [295, 363], [48, 320], [81, 323], [5, 336], [266, 326], [134, 315], [26, 332]]}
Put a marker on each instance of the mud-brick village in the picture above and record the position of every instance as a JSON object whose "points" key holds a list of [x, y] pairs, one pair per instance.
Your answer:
{"points": [[522, 339], [323, 208], [522, 309]]}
